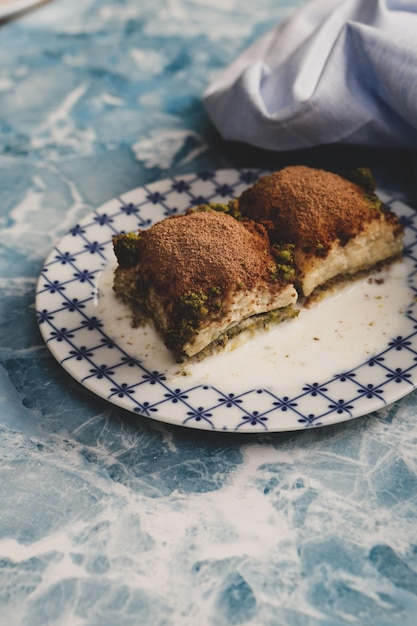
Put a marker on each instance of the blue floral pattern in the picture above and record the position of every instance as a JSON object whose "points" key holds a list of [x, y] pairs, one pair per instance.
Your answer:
{"points": [[67, 294]]}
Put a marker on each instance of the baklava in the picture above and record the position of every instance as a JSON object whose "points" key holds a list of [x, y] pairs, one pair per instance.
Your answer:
{"points": [[202, 277], [338, 226]]}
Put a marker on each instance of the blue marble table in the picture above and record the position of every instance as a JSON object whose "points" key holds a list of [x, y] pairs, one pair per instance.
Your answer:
{"points": [[107, 518]]}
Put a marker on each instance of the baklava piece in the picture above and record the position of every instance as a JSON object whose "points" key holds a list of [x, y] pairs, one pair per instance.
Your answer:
{"points": [[338, 227], [202, 277]]}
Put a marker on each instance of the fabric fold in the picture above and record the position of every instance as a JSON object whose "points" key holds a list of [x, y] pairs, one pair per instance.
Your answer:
{"points": [[336, 71]]}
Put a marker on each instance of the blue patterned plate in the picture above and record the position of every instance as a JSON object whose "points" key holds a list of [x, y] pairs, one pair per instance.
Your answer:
{"points": [[350, 354]]}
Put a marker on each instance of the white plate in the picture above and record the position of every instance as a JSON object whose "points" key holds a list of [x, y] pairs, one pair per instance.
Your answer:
{"points": [[350, 354], [10, 7]]}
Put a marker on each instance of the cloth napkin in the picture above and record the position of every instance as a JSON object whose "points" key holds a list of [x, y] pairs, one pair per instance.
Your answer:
{"points": [[337, 71]]}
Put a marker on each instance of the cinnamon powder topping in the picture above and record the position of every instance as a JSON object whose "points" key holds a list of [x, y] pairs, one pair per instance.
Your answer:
{"points": [[311, 208], [204, 251]]}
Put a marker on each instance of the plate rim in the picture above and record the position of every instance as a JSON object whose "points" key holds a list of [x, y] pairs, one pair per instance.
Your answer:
{"points": [[17, 6]]}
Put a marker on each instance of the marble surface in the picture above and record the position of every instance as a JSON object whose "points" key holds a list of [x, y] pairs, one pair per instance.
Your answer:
{"points": [[107, 518]]}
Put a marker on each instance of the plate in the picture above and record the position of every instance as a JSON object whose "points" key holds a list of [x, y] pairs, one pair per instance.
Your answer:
{"points": [[11, 7], [350, 354]]}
